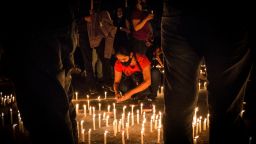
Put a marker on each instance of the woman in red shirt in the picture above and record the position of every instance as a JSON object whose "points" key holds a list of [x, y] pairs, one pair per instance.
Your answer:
{"points": [[134, 77]]}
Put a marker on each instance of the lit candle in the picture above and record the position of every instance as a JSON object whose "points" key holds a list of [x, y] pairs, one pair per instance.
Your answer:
{"points": [[123, 140], [114, 111], [199, 85], [11, 120], [124, 107], [13, 129], [99, 107], [93, 110], [89, 136], [99, 120], [115, 127], [128, 118], [108, 108], [132, 119], [141, 136], [93, 118], [197, 126], [2, 119], [99, 98], [193, 129], [151, 125], [123, 120], [158, 135], [77, 108], [82, 125], [107, 120], [82, 134], [204, 125], [90, 110], [138, 117], [141, 108], [205, 85], [76, 95], [88, 101], [208, 120], [114, 106], [84, 110], [154, 109], [132, 108], [156, 121], [104, 116], [119, 125], [105, 95], [195, 140], [200, 124], [105, 137], [127, 131]]}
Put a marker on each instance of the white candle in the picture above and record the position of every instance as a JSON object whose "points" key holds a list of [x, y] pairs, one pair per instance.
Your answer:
{"points": [[99, 107], [76, 95], [200, 124], [123, 120], [141, 136], [151, 125], [204, 125], [99, 120], [156, 121], [93, 110], [85, 110], [14, 129], [11, 120], [128, 118], [104, 116], [132, 119], [77, 108], [199, 85], [124, 107], [127, 131], [205, 85], [82, 125], [114, 111], [141, 108], [114, 106], [132, 108], [88, 101], [119, 125], [193, 129], [99, 98], [115, 127], [123, 140], [93, 119], [108, 108], [90, 110], [105, 95], [83, 135], [107, 120], [158, 135], [89, 136], [154, 109], [138, 117], [197, 126], [2, 119], [208, 120], [105, 137]]}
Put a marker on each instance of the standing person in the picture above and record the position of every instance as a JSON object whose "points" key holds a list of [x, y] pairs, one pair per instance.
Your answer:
{"points": [[35, 65], [189, 32], [123, 26], [142, 33]]}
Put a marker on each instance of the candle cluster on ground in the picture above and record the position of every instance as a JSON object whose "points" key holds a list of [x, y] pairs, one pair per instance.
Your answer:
{"points": [[10, 117], [117, 122]]}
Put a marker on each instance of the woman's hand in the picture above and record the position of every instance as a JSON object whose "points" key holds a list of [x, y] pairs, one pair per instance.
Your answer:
{"points": [[125, 97]]}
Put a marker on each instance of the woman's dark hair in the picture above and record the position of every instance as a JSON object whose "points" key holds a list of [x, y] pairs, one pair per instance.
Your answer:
{"points": [[124, 48]]}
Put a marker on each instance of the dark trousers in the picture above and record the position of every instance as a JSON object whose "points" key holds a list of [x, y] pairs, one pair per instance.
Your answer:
{"points": [[185, 40], [130, 82]]}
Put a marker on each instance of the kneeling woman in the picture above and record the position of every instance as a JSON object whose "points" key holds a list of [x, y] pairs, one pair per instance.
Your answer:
{"points": [[134, 77]]}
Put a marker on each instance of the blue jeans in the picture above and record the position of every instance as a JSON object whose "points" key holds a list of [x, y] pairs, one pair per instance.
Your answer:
{"points": [[185, 41]]}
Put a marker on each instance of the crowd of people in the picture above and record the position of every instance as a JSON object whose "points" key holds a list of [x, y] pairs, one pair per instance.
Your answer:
{"points": [[118, 48]]}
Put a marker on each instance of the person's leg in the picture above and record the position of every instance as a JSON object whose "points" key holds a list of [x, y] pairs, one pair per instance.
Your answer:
{"points": [[155, 82], [228, 66], [181, 70]]}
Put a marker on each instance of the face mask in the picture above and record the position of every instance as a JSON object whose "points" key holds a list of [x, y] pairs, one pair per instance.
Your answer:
{"points": [[127, 63]]}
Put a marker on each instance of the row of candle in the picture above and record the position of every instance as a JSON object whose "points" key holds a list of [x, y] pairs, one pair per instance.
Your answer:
{"points": [[121, 125], [197, 125], [6, 100]]}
